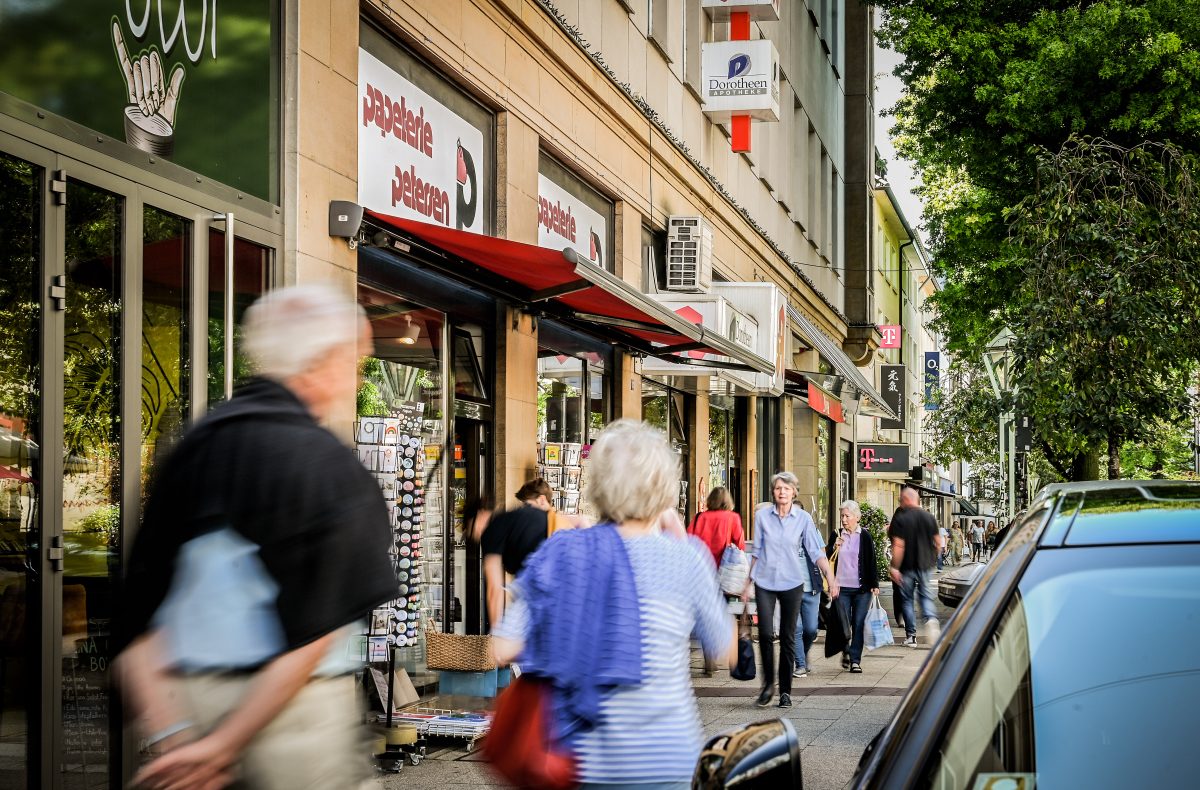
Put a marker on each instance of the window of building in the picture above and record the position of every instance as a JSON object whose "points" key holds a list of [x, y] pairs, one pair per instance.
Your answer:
{"points": [[694, 23], [659, 28], [815, 155], [669, 410], [654, 260], [835, 223]]}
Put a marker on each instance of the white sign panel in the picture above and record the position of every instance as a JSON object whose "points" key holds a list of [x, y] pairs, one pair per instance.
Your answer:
{"points": [[764, 303], [711, 312], [566, 221], [416, 158], [741, 78], [759, 10]]}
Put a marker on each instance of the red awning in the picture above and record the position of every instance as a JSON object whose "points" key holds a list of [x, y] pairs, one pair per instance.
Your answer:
{"points": [[583, 293], [824, 403]]}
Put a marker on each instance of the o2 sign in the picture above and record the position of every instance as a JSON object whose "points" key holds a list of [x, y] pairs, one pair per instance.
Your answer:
{"points": [[891, 335]]}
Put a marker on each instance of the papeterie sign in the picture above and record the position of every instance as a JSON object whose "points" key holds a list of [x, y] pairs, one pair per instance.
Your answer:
{"points": [[416, 157], [741, 78], [566, 221], [883, 458], [192, 81]]}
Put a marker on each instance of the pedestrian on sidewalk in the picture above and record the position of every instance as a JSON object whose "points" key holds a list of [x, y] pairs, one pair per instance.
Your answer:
{"points": [[508, 538], [786, 566], [941, 555], [605, 615], [857, 574], [989, 539], [977, 540], [263, 545], [915, 542], [719, 526]]}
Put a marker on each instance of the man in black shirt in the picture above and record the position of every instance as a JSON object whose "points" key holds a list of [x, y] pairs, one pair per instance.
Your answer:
{"points": [[510, 537], [915, 546]]}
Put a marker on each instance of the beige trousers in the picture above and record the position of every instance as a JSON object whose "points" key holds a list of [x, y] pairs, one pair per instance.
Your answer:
{"points": [[317, 741]]}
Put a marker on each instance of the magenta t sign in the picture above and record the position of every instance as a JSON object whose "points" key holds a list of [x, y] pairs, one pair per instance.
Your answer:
{"points": [[891, 335]]}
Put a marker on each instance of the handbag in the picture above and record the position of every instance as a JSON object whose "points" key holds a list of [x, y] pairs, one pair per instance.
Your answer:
{"points": [[520, 744], [877, 629], [745, 664], [734, 570]]}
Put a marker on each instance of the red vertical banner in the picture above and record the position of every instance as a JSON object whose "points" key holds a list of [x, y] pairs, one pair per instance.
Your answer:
{"points": [[739, 125]]}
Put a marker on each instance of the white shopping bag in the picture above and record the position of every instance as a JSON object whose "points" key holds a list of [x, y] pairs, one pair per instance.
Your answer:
{"points": [[877, 630], [734, 571]]}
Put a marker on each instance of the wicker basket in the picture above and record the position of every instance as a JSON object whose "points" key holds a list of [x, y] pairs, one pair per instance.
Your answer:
{"points": [[458, 652]]}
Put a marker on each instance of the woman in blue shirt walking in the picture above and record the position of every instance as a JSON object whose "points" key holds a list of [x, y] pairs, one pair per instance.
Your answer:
{"points": [[786, 564]]}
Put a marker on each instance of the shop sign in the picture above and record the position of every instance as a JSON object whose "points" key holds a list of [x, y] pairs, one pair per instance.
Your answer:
{"points": [[713, 312], [416, 158], [933, 378], [186, 81], [740, 78], [891, 382], [892, 335], [825, 404], [883, 458], [759, 10], [566, 221], [763, 302]]}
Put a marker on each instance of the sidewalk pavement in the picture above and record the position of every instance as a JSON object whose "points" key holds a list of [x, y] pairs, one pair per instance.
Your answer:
{"points": [[835, 715]]}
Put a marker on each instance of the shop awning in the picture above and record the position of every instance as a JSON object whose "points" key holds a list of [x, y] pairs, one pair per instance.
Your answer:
{"points": [[964, 508], [568, 288], [930, 490], [873, 404]]}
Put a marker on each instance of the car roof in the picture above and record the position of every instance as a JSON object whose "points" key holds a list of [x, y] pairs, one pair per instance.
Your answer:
{"points": [[1123, 512]]}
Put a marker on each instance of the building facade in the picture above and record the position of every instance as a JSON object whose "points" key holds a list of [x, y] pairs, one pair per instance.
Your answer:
{"points": [[220, 152]]}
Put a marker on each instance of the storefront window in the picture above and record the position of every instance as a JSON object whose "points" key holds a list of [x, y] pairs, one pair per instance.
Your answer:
{"points": [[402, 389], [822, 514], [560, 399], [722, 445], [669, 410]]}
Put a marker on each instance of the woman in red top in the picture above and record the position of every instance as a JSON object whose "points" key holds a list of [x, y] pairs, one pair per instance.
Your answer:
{"points": [[718, 526]]}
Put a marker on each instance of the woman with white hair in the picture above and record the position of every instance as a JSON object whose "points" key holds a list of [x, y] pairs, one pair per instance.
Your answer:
{"points": [[786, 564], [605, 615], [853, 556]]}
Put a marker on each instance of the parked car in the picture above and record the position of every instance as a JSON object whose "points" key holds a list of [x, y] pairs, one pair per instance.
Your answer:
{"points": [[1075, 661], [953, 585]]}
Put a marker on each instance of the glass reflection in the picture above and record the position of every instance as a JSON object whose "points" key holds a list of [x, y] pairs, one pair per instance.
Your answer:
{"points": [[20, 250], [251, 277]]}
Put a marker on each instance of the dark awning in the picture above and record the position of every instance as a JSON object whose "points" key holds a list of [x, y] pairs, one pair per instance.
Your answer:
{"points": [[572, 290], [931, 491], [873, 404]]}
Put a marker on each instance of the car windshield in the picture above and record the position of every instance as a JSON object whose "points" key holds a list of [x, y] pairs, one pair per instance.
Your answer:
{"points": [[1091, 679]]}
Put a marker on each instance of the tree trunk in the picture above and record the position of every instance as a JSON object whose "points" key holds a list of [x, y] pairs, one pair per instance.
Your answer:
{"points": [[1114, 456], [1086, 466]]}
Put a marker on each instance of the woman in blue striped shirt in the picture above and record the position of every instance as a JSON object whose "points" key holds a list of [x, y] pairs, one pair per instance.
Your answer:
{"points": [[649, 734]]}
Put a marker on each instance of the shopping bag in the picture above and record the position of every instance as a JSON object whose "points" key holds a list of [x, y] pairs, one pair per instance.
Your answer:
{"points": [[877, 630], [837, 625], [734, 571], [520, 744], [745, 663]]}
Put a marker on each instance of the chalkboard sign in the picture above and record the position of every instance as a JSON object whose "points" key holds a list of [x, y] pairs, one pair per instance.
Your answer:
{"points": [[86, 690]]}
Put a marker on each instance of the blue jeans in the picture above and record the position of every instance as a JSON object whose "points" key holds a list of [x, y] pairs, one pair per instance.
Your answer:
{"points": [[917, 583], [806, 625], [855, 602]]}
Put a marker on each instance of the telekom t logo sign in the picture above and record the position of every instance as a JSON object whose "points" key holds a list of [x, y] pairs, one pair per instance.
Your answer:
{"points": [[868, 457], [891, 335]]}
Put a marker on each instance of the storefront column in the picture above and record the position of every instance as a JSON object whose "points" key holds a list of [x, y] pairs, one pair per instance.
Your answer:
{"points": [[628, 257], [517, 179], [804, 450], [627, 403], [698, 441], [516, 403]]}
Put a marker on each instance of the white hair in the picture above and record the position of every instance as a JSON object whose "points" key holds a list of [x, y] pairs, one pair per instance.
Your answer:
{"points": [[787, 478], [287, 331], [632, 472], [852, 506]]}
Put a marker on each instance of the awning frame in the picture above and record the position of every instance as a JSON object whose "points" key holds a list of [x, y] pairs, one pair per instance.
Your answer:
{"points": [[585, 275], [835, 356]]}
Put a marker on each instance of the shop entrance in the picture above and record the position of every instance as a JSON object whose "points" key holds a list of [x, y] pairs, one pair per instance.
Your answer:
{"points": [[105, 355], [472, 441]]}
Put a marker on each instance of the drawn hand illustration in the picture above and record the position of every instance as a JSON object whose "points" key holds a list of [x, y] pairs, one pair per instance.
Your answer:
{"points": [[153, 98]]}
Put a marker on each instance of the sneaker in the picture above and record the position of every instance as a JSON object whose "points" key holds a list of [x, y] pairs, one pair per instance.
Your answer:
{"points": [[855, 669], [764, 699], [910, 641], [799, 672], [933, 630], [785, 701], [845, 661]]}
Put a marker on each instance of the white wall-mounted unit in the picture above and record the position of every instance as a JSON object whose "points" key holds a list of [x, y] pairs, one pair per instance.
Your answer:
{"points": [[689, 254]]}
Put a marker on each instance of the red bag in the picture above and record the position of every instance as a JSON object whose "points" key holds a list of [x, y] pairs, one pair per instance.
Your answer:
{"points": [[520, 745]]}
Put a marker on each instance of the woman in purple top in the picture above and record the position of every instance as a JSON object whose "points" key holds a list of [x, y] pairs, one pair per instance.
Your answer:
{"points": [[857, 575]]}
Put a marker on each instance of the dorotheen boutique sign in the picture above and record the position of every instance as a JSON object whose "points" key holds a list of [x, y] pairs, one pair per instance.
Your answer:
{"points": [[416, 157], [741, 78], [190, 81]]}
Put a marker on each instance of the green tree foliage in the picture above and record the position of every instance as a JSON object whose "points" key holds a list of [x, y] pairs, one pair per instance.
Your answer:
{"points": [[993, 92], [875, 522]]}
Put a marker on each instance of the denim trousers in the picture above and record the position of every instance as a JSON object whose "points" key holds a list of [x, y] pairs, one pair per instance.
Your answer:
{"points": [[789, 601], [806, 625], [917, 583], [855, 602]]}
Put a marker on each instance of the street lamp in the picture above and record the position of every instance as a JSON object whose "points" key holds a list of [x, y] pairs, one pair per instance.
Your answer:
{"points": [[998, 358]]}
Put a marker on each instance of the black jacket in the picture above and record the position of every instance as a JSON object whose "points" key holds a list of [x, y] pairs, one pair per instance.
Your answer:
{"points": [[263, 466], [868, 572]]}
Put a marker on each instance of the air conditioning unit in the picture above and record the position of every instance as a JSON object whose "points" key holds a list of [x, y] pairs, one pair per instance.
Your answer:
{"points": [[689, 254]]}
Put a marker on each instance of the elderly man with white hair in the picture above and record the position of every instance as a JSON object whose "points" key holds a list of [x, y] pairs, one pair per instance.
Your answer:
{"points": [[264, 540]]}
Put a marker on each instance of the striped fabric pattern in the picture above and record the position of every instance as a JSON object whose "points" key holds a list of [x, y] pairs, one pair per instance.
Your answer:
{"points": [[652, 732]]}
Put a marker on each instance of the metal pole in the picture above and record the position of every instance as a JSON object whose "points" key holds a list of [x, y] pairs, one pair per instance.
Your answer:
{"points": [[1012, 468], [227, 218], [1000, 444]]}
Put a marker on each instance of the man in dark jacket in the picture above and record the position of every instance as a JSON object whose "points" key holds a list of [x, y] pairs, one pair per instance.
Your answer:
{"points": [[858, 577], [263, 543], [915, 544]]}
